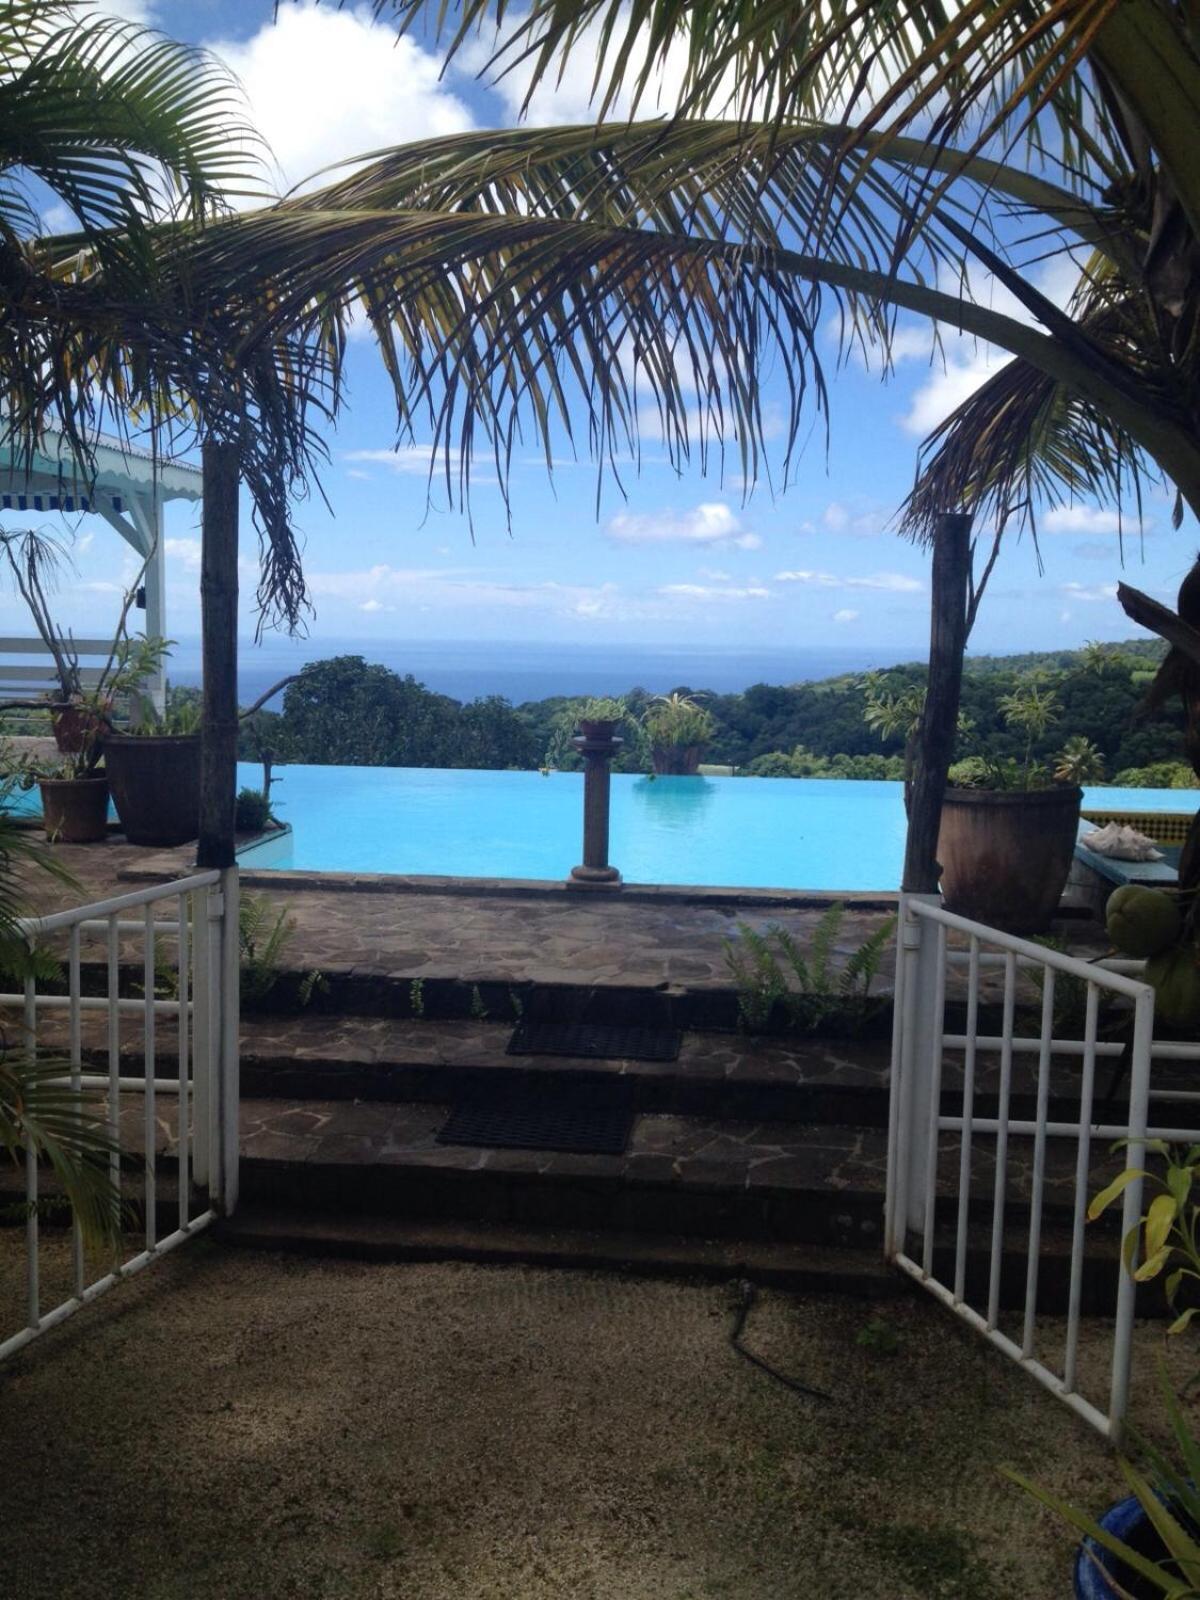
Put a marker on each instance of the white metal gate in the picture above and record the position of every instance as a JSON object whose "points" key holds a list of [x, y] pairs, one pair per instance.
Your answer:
{"points": [[155, 969], [956, 1241]]}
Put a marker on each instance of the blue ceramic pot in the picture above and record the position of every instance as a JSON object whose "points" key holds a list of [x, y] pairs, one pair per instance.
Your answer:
{"points": [[1121, 1521]]}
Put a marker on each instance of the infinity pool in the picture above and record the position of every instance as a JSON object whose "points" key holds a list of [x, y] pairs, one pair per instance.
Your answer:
{"points": [[741, 832]]}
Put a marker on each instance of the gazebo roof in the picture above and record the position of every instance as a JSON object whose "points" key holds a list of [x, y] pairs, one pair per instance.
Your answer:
{"points": [[53, 482]]}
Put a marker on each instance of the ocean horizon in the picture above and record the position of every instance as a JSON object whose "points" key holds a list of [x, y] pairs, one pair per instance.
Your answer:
{"points": [[520, 671]]}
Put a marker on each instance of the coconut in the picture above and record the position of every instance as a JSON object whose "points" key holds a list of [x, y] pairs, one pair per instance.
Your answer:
{"points": [[1175, 975], [1143, 922]]}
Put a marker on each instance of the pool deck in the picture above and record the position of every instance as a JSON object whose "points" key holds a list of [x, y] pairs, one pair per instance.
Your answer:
{"points": [[507, 931]]}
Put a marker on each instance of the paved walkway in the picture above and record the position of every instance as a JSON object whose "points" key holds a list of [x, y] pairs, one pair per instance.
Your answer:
{"points": [[507, 935]]}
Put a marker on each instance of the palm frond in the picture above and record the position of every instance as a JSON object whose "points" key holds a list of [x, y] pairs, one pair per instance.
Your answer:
{"points": [[41, 1112], [1024, 441]]}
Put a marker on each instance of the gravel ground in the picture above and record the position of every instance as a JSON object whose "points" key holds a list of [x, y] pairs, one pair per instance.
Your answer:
{"points": [[245, 1425]]}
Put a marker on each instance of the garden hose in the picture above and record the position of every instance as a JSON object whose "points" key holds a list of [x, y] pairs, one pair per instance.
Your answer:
{"points": [[747, 1294]]}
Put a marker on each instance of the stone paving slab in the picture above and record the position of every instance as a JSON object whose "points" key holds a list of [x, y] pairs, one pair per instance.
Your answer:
{"points": [[689, 1152], [506, 936]]}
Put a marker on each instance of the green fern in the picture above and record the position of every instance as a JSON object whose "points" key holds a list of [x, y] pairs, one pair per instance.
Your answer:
{"points": [[757, 977], [773, 968], [862, 968]]}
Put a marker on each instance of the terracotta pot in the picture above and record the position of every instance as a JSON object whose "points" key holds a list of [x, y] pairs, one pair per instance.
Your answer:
{"points": [[75, 810], [1005, 854], [155, 783], [676, 760], [74, 727], [599, 728]]}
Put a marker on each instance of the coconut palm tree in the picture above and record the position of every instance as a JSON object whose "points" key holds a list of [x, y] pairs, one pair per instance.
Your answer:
{"points": [[970, 140], [545, 280]]}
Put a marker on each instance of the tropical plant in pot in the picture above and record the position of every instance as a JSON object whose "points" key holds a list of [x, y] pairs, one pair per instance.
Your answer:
{"points": [[80, 712], [1009, 825], [598, 718], [678, 728], [74, 790], [154, 776]]}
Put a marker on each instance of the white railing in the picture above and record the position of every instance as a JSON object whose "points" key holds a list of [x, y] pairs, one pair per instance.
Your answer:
{"points": [[192, 952], [920, 1175]]}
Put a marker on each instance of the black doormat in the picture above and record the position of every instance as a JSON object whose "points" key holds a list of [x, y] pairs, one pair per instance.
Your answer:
{"points": [[599, 1041], [549, 1119]]}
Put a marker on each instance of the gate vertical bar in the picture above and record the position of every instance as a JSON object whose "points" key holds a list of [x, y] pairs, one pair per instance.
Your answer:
{"points": [[183, 1112], [970, 1056], [32, 1288], [1135, 1157], [149, 978], [113, 964], [75, 1047], [1082, 1171], [229, 1082], [1038, 1187], [1000, 1187], [202, 1034], [923, 1025]]}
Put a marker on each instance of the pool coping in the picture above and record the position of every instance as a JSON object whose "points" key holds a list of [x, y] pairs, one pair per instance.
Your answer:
{"points": [[167, 864]]}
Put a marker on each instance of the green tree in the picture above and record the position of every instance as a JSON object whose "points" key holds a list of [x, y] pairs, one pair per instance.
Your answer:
{"points": [[348, 712]]}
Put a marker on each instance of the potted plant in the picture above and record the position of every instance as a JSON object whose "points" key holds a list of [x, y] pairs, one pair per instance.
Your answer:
{"points": [[598, 718], [80, 713], [1008, 829], [1009, 826], [678, 728], [74, 793], [154, 775]]}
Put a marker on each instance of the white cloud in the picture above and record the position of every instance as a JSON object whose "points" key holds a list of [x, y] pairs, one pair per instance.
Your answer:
{"points": [[712, 523], [185, 551], [565, 94], [714, 574], [841, 519], [411, 460], [1086, 519], [1092, 591], [700, 591], [845, 616], [963, 363], [895, 582], [325, 84]]}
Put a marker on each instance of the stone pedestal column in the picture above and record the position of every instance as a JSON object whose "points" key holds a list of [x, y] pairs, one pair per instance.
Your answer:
{"points": [[595, 872]]}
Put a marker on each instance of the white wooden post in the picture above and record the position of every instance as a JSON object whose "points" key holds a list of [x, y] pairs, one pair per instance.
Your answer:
{"points": [[228, 1044]]}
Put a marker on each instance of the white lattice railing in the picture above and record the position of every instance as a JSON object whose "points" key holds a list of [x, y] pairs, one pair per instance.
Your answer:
{"points": [[924, 1180], [181, 936]]}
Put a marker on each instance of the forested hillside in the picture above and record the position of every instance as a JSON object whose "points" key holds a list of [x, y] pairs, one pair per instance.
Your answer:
{"points": [[346, 711]]}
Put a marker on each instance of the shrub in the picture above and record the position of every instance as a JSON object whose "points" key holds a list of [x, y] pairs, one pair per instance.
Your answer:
{"points": [[252, 811]]}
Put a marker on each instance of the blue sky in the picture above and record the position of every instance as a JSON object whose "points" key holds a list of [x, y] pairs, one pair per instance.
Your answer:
{"points": [[678, 560]]}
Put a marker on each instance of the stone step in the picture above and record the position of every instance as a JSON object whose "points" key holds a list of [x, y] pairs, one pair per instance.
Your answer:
{"points": [[716, 1074], [680, 1174], [800, 1268], [811, 1269], [837, 1082]]}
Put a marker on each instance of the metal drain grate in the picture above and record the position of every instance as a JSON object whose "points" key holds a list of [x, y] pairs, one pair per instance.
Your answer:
{"points": [[545, 1120], [597, 1041]]}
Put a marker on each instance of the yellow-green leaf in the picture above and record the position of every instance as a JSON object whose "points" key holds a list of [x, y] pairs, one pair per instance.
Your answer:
{"points": [[1114, 1190]]}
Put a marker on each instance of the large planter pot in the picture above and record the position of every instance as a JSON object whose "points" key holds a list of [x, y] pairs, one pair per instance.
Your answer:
{"points": [[75, 810], [676, 760], [1129, 1523], [1005, 854], [155, 783], [597, 728]]}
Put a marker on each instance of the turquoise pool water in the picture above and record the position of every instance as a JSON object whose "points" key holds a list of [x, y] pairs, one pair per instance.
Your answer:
{"points": [[747, 832]]}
